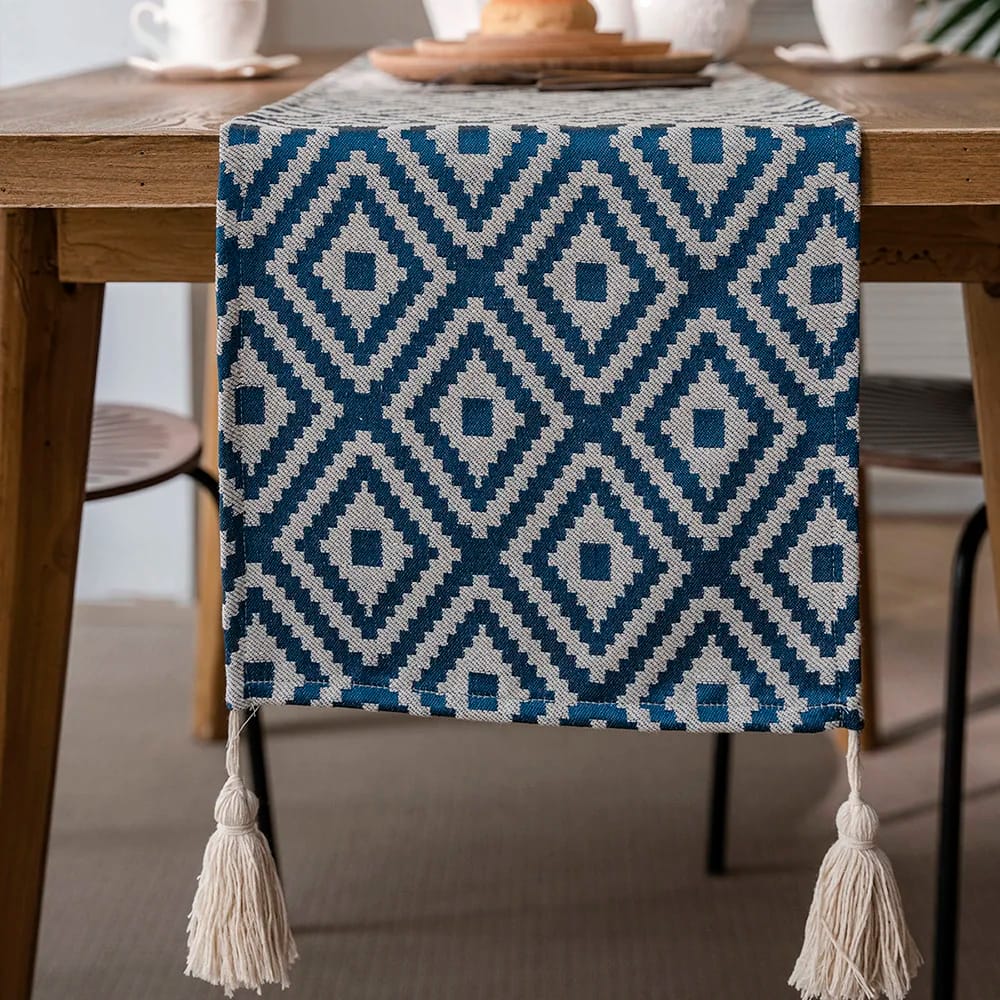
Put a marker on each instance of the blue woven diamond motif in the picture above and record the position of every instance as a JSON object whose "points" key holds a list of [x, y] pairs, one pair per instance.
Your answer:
{"points": [[567, 285], [709, 429], [477, 416], [592, 285], [474, 178], [358, 295], [542, 407]]}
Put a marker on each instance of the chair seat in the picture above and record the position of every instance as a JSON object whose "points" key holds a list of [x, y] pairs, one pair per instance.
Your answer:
{"points": [[920, 424], [132, 447]]}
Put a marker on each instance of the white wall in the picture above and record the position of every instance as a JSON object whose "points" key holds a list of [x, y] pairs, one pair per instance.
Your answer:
{"points": [[140, 545], [315, 24]]}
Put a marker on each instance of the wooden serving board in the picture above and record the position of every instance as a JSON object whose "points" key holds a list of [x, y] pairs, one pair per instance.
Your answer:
{"points": [[445, 60], [580, 43]]}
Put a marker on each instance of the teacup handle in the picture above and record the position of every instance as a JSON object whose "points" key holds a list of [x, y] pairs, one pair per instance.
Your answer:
{"points": [[922, 25], [158, 15]]}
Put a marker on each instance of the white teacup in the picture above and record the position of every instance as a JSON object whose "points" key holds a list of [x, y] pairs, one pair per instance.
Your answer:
{"points": [[201, 32], [853, 29], [452, 20]]}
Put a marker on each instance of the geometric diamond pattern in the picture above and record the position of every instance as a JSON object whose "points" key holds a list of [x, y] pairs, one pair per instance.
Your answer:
{"points": [[814, 335], [711, 204], [595, 341], [480, 633], [361, 328], [475, 195], [780, 564], [259, 460], [272, 407], [480, 475], [542, 407], [713, 674], [585, 298], [712, 483], [599, 620], [363, 491]]}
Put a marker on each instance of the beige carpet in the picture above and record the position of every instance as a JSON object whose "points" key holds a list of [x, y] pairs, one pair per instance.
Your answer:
{"points": [[437, 860]]}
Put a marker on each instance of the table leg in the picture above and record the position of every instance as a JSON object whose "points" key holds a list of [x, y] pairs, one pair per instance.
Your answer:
{"points": [[210, 716], [982, 321], [49, 335], [869, 692]]}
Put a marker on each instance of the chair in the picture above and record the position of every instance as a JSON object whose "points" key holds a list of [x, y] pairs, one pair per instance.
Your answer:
{"points": [[132, 448], [925, 425]]}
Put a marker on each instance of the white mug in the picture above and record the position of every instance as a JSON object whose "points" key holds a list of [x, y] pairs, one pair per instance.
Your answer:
{"points": [[717, 26], [615, 15], [854, 29], [452, 20], [203, 32]]}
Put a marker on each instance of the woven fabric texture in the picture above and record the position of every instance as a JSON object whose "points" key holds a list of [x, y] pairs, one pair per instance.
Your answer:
{"points": [[542, 407]]}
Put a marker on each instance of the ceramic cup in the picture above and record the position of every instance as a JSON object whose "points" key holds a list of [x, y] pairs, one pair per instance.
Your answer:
{"points": [[452, 20], [200, 32], [615, 15], [853, 29], [717, 26]]}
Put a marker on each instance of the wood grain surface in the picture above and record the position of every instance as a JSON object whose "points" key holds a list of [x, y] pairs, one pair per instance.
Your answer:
{"points": [[982, 324], [48, 360], [127, 244], [956, 243], [209, 714], [486, 64], [114, 138], [929, 137]]}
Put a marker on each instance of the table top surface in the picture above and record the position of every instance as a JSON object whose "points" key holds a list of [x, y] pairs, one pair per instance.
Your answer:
{"points": [[114, 137]]}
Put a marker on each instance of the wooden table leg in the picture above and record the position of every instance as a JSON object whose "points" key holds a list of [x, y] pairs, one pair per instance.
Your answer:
{"points": [[210, 720], [982, 321], [49, 335], [869, 691]]}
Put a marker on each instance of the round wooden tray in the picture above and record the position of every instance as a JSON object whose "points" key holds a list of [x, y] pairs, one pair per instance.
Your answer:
{"points": [[430, 61], [542, 44]]}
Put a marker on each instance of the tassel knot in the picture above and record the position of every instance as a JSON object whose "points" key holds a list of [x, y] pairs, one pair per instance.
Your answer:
{"points": [[238, 932], [236, 806], [857, 945], [857, 824]]}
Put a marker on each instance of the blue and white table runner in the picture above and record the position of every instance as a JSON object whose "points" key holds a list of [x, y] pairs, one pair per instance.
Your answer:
{"points": [[542, 407]]}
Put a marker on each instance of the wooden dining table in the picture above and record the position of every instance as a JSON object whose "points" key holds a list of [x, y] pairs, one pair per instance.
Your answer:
{"points": [[110, 176]]}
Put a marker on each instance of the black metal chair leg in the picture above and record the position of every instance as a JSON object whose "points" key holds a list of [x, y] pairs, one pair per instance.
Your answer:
{"points": [[258, 775], [950, 843], [719, 807], [254, 729], [206, 480]]}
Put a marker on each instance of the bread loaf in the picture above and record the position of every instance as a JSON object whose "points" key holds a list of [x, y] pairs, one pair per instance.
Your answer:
{"points": [[523, 17]]}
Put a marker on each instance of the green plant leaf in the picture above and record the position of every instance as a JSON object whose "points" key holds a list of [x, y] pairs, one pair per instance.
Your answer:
{"points": [[991, 20], [961, 14]]}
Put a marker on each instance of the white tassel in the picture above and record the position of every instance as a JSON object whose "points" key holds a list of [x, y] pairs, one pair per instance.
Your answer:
{"points": [[857, 945], [238, 933]]}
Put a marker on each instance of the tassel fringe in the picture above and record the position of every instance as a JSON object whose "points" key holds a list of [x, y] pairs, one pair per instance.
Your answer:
{"points": [[857, 945], [238, 932]]}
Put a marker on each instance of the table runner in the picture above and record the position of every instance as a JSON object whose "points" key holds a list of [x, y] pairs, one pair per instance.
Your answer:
{"points": [[542, 407]]}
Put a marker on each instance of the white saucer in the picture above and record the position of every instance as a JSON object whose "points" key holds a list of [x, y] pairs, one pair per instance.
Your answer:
{"points": [[240, 69], [818, 57]]}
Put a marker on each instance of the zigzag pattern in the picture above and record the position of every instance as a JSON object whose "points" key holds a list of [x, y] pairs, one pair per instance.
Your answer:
{"points": [[542, 408]]}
